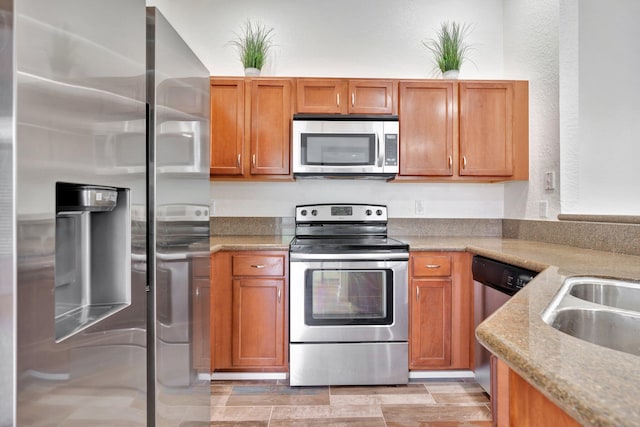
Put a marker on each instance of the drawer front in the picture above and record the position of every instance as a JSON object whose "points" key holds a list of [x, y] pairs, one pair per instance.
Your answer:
{"points": [[201, 267], [258, 265], [431, 266]]}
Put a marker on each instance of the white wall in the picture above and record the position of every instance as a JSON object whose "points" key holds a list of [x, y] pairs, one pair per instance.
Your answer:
{"points": [[531, 53], [356, 38], [600, 107], [437, 200]]}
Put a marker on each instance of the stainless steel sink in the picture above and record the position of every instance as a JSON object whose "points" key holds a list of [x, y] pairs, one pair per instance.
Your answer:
{"points": [[601, 311], [619, 331], [612, 293]]}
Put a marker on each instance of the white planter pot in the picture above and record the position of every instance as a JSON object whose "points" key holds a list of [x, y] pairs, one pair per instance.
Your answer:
{"points": [[451, 74], [251, 71]]}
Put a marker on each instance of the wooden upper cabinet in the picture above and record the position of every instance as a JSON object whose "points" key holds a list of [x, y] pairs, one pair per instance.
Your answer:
{"points": [[251, 128], [322, 96], [344, 96], [427, 128], [370, 97], [464, 130], [227, 126], [493, 129], [270, 140]]}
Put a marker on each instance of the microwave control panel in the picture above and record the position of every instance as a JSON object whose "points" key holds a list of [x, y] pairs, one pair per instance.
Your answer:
{"points": [[391, 149]]}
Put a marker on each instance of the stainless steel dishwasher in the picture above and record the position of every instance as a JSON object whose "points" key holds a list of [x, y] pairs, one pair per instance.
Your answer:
{"points": [[494, 283]]}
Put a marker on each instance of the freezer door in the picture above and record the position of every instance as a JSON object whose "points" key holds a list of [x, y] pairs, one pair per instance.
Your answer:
{"points": [[80, 80]]}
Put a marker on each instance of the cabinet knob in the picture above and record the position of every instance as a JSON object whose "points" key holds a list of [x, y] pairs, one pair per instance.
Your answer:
{"points": [[238, 160], [464, 162], [253, 160], [338, 99], [417, 294], [257, 265], [450, 162], [353, 99], [432, 265], [278, 295]]}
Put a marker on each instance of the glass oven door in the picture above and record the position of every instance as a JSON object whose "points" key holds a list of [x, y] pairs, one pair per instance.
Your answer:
{"points": [[348, 301], [348, 297]]}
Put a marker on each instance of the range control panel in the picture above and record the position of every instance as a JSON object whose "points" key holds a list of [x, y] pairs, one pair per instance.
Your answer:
{"points": [[341, 213]]}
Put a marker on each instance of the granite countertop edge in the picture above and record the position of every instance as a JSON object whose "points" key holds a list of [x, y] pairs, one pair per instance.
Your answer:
{"points": [[595, 385]]}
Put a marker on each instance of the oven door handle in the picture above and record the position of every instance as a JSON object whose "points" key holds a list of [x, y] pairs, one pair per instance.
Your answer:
{"points": [[363, 256]]}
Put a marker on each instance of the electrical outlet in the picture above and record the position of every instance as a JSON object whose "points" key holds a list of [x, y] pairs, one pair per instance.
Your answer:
{"points": [[550, 181], [420, 207]]}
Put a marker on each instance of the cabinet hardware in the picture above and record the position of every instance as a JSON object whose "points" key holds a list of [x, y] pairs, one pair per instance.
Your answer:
{"points": [[417, 294], [278, 295], [198, 292], [450, 162], [353, 99], [253, 160], [238, 160], [257, 265], [464, 162], [338, 99], [432, 265]]}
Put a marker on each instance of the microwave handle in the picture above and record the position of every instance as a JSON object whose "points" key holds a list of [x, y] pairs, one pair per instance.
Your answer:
{"points": [[379, 151]]}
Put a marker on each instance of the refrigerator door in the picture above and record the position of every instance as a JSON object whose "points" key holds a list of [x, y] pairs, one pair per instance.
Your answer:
{"points": [[178, 97], [81, 267], [7, 228]]}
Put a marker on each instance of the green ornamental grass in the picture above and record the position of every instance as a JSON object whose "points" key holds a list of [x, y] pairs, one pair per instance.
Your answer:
{"points": [[449, 47], [253, 44]]}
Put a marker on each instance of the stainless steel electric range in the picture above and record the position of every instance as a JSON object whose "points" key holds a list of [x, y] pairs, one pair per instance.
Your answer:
{"points": [[349, 298]]}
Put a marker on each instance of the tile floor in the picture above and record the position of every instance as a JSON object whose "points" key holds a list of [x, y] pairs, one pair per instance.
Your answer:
{"points": [[423, 403]]}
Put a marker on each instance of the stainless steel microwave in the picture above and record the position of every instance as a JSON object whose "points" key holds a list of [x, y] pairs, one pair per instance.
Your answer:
{"points": [[345, 146]]}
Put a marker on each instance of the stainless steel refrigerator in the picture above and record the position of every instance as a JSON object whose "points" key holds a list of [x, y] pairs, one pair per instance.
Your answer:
{"points": [[104, 224]]}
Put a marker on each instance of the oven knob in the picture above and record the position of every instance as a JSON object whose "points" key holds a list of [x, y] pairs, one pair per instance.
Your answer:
{"points": [[379, 212], [314, 212], [368, 212], [303, 212]]}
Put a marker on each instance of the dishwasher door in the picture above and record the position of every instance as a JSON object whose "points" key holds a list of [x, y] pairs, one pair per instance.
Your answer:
{"points": [[486, 301]]}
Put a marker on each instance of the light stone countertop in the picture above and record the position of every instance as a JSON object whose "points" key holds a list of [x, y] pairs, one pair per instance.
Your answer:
{"points": [[595, 385]]}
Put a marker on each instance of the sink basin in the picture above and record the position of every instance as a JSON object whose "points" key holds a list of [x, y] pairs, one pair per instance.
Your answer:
{"points": [[601, 311], [612, 293], [611, 329]]}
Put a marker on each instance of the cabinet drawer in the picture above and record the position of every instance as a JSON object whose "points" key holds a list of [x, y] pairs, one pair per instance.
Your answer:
{"points": [[258, 265], [201, 267], [431, 266]]}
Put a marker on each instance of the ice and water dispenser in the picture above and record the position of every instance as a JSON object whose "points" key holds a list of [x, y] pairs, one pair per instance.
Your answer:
{"points": [[93, 255]]}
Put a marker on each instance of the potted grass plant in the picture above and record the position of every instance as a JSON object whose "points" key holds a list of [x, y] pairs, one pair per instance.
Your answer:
{"points": [[253, 44], [449, 48]]}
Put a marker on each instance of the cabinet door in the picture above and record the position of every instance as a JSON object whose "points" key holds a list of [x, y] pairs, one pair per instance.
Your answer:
{"points": [[201, 327], [270, 131], [486, 128], [321, 96], [258, 322], [427, 127], [430, 344], [227, 126], [370, 96]]}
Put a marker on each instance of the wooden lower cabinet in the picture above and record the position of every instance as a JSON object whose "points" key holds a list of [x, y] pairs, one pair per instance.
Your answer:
{"points": [[440, 308], [250, 311], [518, 403]]}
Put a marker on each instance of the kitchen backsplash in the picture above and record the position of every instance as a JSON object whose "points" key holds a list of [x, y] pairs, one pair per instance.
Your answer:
{"points": [[612, 237]]}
